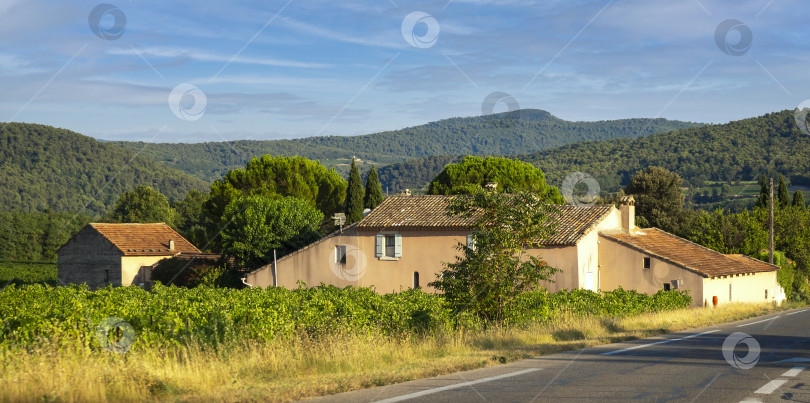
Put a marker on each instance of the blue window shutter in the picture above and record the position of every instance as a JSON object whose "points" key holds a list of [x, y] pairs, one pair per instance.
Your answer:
{"points": [[398, 245], [470, 242], [380, 245]]}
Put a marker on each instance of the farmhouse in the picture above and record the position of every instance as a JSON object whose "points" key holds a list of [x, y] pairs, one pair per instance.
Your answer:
{"points": [[404, 242], [118, 254]]}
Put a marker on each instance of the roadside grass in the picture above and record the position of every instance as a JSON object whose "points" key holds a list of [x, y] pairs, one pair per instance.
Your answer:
{"points": [[299, 367]]}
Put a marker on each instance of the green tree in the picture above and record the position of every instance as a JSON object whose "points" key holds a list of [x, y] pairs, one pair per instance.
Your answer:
{"points": [[472, 174], [764, 192], [782, 194], [373, 193], [192, 222], [798, 199], [488, 276], [307, 180], [354, 196], [142, 205], [658, 197], [255, 225]]}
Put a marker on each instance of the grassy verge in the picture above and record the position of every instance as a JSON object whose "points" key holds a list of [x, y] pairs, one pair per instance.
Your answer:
{"points": [[298, 367]]}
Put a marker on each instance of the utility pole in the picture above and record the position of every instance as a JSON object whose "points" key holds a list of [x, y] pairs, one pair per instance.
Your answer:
{"points": [[770, 232]]}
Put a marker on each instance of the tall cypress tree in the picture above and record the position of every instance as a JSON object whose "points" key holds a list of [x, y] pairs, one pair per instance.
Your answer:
{"points": [[374, 194], [764, 192], [354, 196], [783, 199], [798, 199]]}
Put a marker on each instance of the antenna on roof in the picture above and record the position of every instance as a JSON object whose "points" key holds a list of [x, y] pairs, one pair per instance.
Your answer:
{"points": [[340, 219]]}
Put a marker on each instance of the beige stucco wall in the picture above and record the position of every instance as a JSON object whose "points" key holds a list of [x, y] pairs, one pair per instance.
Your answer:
{"points": [[88, 258], [422, 251], [744, 288], [135, 268], [621, 265]]}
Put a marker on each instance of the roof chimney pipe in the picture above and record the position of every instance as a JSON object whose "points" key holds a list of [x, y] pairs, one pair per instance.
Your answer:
{"points": [[171, 244]]}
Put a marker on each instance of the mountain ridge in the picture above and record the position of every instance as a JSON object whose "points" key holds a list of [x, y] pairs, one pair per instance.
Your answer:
{"points": [[497, 134]]}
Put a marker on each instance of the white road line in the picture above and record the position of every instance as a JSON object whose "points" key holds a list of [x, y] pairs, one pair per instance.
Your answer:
{"points": [[751, 400], [771, 386], [764, 320], [793, 372], [658, 342], [791, 313], [456, 386]]}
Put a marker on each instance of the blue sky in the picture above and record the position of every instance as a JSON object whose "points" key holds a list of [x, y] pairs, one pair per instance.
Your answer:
{"points": [[284, 69]]}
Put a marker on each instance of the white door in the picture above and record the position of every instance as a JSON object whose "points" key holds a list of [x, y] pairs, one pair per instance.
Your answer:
{"points": [[589, 283]]}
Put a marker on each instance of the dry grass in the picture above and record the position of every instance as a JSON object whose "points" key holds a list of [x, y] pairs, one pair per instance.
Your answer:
{"points": [[299, 367]]}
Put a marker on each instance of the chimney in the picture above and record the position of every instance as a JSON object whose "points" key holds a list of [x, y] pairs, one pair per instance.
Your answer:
{"points": [[171, 244], [628, 210], [406, 192]]}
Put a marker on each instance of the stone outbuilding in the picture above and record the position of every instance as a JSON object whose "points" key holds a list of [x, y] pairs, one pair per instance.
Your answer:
{"points": [[103, 254]]}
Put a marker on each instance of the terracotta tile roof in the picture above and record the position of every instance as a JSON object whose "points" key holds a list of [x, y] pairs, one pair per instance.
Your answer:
{"points": [[429, 213], [144, 239], [689, 255]]}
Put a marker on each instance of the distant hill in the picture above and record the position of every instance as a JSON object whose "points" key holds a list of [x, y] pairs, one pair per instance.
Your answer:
{"points": [[731, 152], [505, 133], [735, 151], [42, 168]]}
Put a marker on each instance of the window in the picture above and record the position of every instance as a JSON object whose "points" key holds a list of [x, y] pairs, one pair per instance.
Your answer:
{"points": [[389, 246], [416, 279], [766, 294], [729, 292], [674, 284], [470, 242], [646, 263], [340, 254], [667, 286]]}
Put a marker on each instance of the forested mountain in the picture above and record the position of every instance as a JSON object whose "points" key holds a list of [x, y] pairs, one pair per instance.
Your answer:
{"points": [[739, 150], [499, 134], [735, 151], [45, 168]]}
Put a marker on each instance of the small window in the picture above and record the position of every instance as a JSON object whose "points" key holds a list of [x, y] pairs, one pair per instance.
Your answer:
{"points": [[667, 286], [340, 254], [766, 294], [416, 279], [729, 292], [646, 263], [390, 245], [470, 242]]}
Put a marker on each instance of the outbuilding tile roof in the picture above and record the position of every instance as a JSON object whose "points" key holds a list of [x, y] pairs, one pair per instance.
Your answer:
{"points": [[689, 255], [430, 213], [144, 239]]}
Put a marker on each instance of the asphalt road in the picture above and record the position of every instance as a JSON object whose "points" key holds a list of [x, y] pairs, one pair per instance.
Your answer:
{"points": [[688, 366]]}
